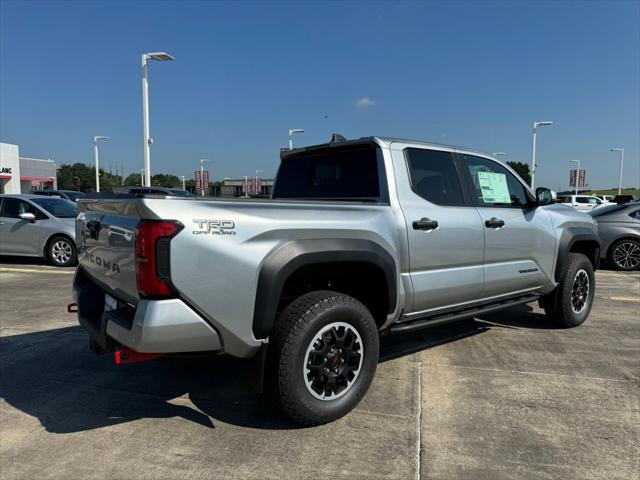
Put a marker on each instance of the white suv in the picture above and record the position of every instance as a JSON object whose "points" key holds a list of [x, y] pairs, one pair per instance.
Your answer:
{"points": [[582, 203]]}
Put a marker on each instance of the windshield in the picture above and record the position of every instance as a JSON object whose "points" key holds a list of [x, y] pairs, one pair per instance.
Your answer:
{"points": [[58, 207], [74, 195]]}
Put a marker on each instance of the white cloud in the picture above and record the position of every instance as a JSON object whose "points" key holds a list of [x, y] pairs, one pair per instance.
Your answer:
{"points": [[365, 102]]}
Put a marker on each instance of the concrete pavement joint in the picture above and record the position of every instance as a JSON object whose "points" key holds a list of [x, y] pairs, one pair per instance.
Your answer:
{"points": [[419, 423], [33, 270], [546, 374]]}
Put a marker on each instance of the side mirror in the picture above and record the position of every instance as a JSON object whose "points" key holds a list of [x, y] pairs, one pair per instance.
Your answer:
{"points": [[545, 196], [27, 216]]}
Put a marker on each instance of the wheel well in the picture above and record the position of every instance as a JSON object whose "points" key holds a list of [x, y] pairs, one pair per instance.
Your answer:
{"points": [[48, 242], [589, 248], [361, 280]]}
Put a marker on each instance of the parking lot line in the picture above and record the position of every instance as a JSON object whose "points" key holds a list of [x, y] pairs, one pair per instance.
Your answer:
{"points": [[624, 299], [34, 270]]}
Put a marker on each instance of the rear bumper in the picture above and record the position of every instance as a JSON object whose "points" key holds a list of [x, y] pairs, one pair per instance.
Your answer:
{"points": [[153, 326]]}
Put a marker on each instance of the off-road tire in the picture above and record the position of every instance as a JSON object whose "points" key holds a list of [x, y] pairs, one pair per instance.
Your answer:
{"points": [[560, 305], [294, 332], [61, 251]]}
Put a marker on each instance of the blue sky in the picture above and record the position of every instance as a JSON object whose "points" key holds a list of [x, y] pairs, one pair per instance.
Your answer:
{"points": [[467, 73]]}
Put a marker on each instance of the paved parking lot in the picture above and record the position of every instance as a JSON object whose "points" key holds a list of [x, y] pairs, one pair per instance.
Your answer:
{"points": [[503, 396]]}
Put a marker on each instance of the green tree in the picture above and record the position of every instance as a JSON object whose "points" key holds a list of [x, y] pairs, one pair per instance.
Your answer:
{"points": [[76, 177], [82, 177], [133, 180], [521, 169], [163, 180]]}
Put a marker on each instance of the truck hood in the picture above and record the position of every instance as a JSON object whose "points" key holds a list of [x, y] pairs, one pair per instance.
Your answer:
{"points": [[563, 215]]}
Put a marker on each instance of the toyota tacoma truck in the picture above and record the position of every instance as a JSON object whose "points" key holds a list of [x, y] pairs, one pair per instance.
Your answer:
{"points": [[360, 238]]}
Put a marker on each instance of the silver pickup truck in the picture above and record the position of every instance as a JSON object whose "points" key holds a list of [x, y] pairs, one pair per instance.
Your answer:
{"points": [[361, 238]]}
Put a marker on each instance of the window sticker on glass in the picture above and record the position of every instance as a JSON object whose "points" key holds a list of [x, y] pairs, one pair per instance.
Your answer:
{"points": [[494, 187]]}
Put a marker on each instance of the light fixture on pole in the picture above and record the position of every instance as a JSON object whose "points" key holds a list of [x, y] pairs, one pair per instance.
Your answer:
{"points": [[499, 154], [533, 150], [577, 174], [202, 162], [621, 150], [159, 57], [96, 139], [257, 172], [183, 186], [292, 132]]}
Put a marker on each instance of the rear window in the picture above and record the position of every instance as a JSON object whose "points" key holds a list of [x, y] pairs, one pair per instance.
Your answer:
{"points": [[333, 174]]}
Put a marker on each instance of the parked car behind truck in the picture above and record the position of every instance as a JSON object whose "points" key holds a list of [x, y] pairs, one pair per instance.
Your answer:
{"points": [[362, 238], [582, 203], [38, 226], [619, 231]]}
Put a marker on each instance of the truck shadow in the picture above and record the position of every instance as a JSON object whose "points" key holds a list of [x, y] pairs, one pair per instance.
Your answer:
{"points": [[52, 375]]}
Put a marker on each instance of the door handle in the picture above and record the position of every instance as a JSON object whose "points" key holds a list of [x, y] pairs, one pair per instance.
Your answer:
{"points": [[425, 224], [494, 223]]}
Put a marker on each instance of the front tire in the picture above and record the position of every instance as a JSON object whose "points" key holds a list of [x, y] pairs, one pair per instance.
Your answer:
{"points": [[625, 255], [326, 348], [569, 305], [62, 252]]}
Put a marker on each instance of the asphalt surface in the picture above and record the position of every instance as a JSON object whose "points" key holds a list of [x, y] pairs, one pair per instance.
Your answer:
{"points": [[503, 396]]}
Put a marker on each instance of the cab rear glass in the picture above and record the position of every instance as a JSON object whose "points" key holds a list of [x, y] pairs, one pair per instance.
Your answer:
{"points": [[354, 173]]}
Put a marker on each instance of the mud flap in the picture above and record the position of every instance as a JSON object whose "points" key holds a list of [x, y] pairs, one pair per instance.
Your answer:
{"points": [[259, 367]]}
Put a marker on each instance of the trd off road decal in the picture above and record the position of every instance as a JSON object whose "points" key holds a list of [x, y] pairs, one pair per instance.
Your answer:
{"points": [[214, 227]]}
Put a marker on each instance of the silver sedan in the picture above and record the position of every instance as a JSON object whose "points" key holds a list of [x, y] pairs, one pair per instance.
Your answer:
{"points": [[619, 231], [38, 226]]}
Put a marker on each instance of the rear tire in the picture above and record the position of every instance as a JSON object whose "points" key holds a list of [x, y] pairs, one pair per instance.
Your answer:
{"points": [[326, 352], [569, 305], [625, 255], [62, 251]]}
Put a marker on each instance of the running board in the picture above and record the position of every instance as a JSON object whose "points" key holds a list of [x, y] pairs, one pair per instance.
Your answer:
{"points": [[434, 320]]}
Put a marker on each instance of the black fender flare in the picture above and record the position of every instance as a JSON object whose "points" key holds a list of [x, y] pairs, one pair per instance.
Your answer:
{"points": [[569, 237], [295, 254]]}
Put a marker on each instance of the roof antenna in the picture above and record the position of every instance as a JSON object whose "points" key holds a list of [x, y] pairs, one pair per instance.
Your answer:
{"points": [[336, 137]]}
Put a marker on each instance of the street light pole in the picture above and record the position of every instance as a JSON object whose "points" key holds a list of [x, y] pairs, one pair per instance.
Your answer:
{"points": [[577, 174], [202, 162], [533, 151], [292, 132], [183, 185], [621, 150], [95, 151], [246, 186], [160, 57], [77, 183]]}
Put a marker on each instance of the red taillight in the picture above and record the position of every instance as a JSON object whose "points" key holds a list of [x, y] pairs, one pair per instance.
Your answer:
{"points": [[152, 257]]}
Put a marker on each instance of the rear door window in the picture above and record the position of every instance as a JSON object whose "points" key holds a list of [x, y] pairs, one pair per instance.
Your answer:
{"points": [[434, 176]]}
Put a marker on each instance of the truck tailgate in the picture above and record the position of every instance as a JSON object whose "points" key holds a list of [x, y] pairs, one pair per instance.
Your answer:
{"points": [[106, 245]]}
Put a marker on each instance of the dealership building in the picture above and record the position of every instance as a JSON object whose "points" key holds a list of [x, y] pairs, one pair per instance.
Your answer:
{"points": [[21, 175]]}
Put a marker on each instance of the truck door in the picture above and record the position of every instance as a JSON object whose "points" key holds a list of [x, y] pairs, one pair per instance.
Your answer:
{"points": [[518, 237], [445, 233]]}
